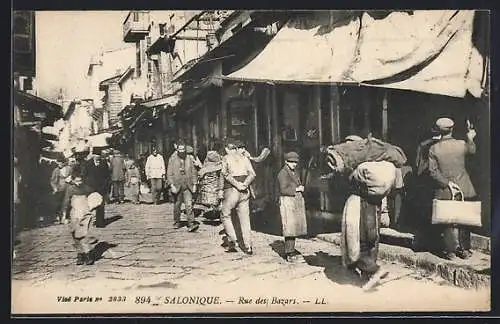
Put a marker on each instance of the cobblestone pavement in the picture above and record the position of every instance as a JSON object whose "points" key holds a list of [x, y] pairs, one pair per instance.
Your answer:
{"points": [[142, 255]]}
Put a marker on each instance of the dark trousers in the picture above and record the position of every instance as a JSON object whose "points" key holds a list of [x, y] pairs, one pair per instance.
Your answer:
{"points": [[156, 189], [289, 244], [369, 238], [455, 237], [119, 190], [99, 216], [57, 199], [183, 196]]}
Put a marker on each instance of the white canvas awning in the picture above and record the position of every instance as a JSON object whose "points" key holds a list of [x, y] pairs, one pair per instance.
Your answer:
{"points": [[427, 50]]}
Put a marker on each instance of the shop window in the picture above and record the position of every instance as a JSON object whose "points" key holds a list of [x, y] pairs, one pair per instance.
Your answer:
{"points": [[240, 125]]}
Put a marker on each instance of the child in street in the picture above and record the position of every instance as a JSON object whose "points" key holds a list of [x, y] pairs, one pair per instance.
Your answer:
{"points": [[82, 201], [133, 181], [292, 206]]}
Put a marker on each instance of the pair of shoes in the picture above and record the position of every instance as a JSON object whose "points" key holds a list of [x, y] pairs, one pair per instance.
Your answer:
{"points": [[231, 247], [193, 228], [375, 278], [177, 225]]}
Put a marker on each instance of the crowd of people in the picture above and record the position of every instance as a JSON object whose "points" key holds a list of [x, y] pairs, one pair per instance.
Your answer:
{"points": [[223, 184]]}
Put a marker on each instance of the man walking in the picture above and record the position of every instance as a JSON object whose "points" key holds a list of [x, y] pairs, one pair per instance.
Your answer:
{"points": [[59, 185], [447, 169], [155, 173], [182, 177], [238, 174], [97, 176], [118, 169]]}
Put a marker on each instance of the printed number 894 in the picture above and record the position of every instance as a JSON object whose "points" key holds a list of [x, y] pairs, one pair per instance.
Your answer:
{"points": [[142, 300]]}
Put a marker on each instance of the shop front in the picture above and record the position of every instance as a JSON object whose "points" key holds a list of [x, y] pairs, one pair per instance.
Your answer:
{"points": [[319, 92]]}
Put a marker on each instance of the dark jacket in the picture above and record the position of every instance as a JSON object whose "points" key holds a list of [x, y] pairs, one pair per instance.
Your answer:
{"points": [[447, 163], [179, 179], [288, 181], [97, 177]]}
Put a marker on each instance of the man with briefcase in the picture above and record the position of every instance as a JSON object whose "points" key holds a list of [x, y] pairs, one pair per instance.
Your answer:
{"points": [[447, 170]]}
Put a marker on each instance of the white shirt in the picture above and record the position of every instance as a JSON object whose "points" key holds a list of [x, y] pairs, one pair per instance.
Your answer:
{"points": [[155, 167]]}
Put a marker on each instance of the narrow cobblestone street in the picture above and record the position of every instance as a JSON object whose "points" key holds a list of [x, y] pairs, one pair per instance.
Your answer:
{"points": [[142, 255]]}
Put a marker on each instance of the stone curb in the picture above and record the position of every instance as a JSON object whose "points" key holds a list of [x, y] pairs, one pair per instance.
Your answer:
{"points": [[460, 275]]}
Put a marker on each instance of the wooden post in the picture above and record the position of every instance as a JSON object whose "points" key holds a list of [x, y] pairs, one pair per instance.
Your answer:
{"points": [[316, 101], [195, 137], [335, 114], [276, 138], [366, 111], [385, 122], [206, 124], [255, 123], [223, 113], [268, 110]]}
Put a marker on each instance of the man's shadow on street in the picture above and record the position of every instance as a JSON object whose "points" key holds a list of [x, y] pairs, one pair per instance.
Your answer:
{"points": [[113, 219], [101, 248], [332, 265]]}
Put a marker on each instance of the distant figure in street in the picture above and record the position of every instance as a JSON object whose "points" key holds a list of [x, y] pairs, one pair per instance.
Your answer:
{"points": [[182, 177], [97, 176], [128, 161], [81, 201], [118, 170], [59, 185], [133, 180], [447, 169], [155, 173], [238, 174], [196, 160], [291, 205], [210, 184]]}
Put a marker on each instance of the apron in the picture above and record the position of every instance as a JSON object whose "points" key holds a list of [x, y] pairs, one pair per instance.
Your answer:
{"points": [[293, 215]]}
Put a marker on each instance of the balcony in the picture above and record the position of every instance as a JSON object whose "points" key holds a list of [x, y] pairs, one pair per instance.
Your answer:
{"points": [[136, 26]]}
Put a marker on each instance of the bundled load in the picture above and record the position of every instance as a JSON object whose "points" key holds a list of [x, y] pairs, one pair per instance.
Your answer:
{"points": [[349, 155]]}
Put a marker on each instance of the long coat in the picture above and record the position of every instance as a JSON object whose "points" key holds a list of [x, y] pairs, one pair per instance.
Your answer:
{"points": [[291, 203], [118, 168], [176, 178], [447, 163]]}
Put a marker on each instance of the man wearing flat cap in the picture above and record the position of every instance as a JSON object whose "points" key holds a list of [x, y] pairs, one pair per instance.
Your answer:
{"points": [[447, 170], [291, 205], [237, 173]]}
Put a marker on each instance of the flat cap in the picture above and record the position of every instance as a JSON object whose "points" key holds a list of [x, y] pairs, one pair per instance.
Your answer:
{"points": [[444, 123], [353, 138], [292, 157]]}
